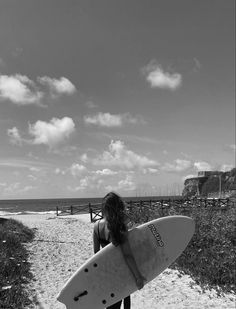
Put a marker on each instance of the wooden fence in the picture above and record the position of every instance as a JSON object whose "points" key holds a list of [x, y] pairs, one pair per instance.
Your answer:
{"points": [[72, 210], [142, 206]]}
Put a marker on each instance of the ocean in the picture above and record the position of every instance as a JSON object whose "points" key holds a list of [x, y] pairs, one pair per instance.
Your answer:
{"points": [[48, 206], [40, 206]]}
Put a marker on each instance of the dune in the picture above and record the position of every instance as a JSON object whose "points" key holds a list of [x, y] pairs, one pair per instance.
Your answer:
{"points": [[62, 244]]}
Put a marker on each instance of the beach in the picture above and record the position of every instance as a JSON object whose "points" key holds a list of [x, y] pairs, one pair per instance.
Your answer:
{"points": [[62, 244]]}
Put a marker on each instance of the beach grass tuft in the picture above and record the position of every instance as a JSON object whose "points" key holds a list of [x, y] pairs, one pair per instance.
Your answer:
{"points": [[14, 266], [210, 257]]}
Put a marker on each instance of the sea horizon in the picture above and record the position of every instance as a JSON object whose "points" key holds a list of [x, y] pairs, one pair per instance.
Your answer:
{"points": [[49, 205]]}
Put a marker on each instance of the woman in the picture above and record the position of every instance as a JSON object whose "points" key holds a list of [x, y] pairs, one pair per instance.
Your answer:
{"points": [[113, 228]]}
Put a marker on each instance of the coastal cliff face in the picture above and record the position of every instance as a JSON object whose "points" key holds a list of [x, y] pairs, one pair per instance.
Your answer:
{"points": [[223, 183], [193, 186]]}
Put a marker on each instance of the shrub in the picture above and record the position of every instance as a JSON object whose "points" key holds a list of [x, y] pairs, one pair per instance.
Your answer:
{"points": [[210, 256], [15, 269]]}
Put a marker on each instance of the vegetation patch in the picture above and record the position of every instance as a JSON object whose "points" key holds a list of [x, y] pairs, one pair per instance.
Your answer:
{"points": [[210, 257], [15, 268]]}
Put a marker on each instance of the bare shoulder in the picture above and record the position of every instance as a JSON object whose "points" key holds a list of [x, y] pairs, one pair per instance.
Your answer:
{"points": [[99, 223]]}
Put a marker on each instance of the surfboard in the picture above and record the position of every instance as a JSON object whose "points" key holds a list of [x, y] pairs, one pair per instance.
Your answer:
{"points": [[105, 278]]}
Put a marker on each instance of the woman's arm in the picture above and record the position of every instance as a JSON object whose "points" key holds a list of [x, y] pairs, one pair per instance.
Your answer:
{"points": [[129, 258]]}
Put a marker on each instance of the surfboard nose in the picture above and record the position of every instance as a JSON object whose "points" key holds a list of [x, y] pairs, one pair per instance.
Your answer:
{"points": [[175, 233]]}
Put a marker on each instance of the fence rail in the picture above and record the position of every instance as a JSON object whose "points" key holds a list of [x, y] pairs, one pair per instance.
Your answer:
{"points": [[72, 210], [163, 206]]}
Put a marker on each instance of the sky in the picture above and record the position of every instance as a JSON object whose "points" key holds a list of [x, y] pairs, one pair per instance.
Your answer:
{"points": [[126, 96]]}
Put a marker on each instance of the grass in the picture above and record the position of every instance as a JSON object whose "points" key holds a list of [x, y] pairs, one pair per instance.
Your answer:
{"points": [[14, 267], [210, 257]]}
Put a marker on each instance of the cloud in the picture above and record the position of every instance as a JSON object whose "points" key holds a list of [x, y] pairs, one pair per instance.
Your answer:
{"points": [[84, 157], [202, 166], [126, 184], [49, 133], [15, 188], [178, 166], [105, 172], [15, 137], [104, 120], [59, 171], [119, 156], [77, 169], [57, 86], [89, 183], [53, 132], [109, 120], [157, 78], [19, 89]]}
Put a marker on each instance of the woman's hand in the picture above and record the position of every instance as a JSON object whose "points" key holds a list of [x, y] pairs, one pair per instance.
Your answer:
{"points": [[140, 282]]}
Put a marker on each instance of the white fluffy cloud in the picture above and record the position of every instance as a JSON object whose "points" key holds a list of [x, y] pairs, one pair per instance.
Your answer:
{"points": [[19, 89], [104, 120], [53, 132], [49, 133], [157, 78], [57, 86], [109, 120], [119, 156]]}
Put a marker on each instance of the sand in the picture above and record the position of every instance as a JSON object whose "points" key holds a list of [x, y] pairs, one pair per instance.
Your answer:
{"points": [[62, 244]]}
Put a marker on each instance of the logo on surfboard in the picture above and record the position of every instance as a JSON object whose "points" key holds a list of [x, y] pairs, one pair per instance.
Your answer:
{"points": [[156, 235]]}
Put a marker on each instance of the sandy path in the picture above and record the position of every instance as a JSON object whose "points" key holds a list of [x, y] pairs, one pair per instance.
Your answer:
{"points": [[67, 243]]}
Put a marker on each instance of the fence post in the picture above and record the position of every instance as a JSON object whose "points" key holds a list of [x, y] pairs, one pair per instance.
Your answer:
{"points": [[91, 212], [71, 210], [227, 201], [57, 210], [162, 208]]}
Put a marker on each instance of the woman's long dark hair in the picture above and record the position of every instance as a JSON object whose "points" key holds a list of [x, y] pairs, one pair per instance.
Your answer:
{"points": [[114, 211]]}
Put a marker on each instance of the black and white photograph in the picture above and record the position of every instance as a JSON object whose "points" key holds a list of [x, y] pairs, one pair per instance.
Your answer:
{"points": [[117, 154]]}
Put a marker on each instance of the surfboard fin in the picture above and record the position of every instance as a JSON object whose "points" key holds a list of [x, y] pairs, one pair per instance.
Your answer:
{"points": [[76, 298]]}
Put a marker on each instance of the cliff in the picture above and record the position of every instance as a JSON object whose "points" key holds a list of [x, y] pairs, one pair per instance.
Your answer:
{"points": [[212, 185]]}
